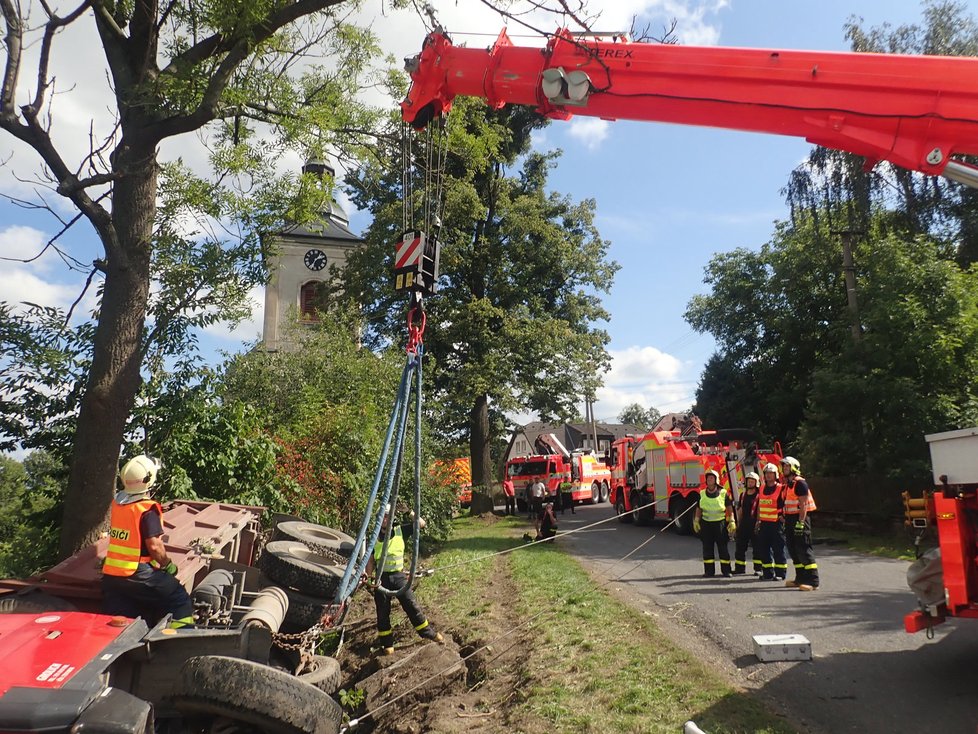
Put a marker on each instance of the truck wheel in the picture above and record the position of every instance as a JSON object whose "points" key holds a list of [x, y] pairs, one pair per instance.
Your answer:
{"points": [[34, 602], [304, 610], [290, 563], [604, 492], [262, 697], [646, 512], [315, 536], [624, 516], [684, 526], [325, 674], [595, 493]]}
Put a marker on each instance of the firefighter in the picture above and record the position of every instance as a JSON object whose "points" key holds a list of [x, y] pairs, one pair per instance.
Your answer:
{"points": [[770, 527], [394, 578], [509, 494], [138, 576], [546, 523], [566, 490], [714, 521], [746, 520], [798, 503]]}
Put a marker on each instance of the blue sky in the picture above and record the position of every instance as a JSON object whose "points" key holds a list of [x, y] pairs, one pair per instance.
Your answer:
{"points": [[668, 197]]}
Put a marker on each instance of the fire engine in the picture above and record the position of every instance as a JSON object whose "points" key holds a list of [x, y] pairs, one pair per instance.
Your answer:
{"points": [[589, 477], [661, 474]]}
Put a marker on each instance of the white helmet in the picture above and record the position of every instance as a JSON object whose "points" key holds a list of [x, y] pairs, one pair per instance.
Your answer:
{"points": [[792, 462], [753, 475], [715, 473], [138, 475], [773, 468]]}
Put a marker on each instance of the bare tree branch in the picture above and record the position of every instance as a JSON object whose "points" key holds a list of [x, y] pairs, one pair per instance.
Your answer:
{"points": [[88, 282], [53, 25]]}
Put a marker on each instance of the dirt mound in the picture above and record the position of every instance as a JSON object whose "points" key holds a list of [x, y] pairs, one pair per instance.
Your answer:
{"points": [[397, 676], [489, 518]]}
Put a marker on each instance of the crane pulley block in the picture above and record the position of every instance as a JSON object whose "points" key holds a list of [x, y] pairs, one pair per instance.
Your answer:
{"points": [[416, 263]]}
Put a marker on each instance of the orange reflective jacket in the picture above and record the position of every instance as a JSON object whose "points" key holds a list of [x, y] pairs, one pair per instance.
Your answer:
{"points": [[767, 506], [125, 541], [791, 499]]}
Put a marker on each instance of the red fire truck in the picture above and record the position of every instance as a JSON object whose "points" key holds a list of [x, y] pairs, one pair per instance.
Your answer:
{"points": [[590, 478], [661, 474]]}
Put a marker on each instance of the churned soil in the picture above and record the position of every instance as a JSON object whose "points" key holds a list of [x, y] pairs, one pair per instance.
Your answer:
{"points": [[467, 683]]}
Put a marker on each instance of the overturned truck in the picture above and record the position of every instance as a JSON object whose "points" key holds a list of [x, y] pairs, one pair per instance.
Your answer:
{"points": [[249, 662]]}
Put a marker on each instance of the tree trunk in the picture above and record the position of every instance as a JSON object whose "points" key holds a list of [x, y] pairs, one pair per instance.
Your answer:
{"points": [[114, 378], [480, 457]]}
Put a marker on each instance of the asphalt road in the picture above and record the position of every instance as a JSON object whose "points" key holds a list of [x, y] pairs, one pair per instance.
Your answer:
{"points": [[868, 675]]}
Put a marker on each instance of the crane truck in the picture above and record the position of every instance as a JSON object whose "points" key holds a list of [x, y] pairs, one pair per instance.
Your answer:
{"points": [[554, 465], [917, 112], [661, 474]]}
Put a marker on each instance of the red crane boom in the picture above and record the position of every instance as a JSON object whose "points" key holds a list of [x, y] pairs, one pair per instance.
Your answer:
{"points": [[914, 111]]}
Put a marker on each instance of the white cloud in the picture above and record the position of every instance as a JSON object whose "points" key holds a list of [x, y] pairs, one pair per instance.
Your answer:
{"points": [[589, 130], [22, 243], [647, 376], [18, 285], [247, 330]]}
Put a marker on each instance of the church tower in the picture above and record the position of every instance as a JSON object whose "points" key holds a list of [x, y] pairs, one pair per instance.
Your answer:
{"points": [[300, 265]]}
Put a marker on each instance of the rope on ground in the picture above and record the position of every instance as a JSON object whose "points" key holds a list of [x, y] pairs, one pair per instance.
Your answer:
{"points": [[529, 622], [562, 534]]}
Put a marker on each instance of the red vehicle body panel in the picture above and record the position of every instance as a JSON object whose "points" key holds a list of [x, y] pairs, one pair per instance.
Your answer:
{"points": [[49, 649], [914, 111]]}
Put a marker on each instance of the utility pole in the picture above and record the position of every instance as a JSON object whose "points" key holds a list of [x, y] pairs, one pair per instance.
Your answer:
{"points": [[589, 417], [849, 270]]}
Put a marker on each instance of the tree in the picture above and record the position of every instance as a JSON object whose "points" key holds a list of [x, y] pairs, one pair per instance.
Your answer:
{"points": [[512, 326], [237, 71], [636, 415], [325, 402]]}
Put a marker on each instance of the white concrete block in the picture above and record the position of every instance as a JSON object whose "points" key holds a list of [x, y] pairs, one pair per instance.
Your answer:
{"points": [[772, 648]]}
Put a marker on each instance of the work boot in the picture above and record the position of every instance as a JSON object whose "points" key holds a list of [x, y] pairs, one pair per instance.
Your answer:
{"points": [[430, 634], [791, 583], [739, 571], [806, 587]]}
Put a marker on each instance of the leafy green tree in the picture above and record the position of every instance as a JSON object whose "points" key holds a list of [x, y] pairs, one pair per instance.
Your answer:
{"points": [[240, 74], [513, 325], [325, 402], [836, 187], [636, 415], [30, 497]]}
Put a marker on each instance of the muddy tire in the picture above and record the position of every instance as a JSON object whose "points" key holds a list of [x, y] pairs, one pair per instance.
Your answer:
{"points": [[34, 602], [315, 536], [290, 563], [624, 516], [325, 674], [267, 699], [304, 611]]}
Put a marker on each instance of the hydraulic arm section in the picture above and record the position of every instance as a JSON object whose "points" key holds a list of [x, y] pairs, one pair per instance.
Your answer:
{"points": [[913, 111]]}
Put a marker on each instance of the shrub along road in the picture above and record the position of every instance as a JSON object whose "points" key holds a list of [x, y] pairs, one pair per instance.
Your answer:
{"points": [[868, 674]]}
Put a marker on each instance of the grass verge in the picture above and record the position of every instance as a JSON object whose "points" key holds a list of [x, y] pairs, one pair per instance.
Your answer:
{"points": [[897, 544], [592, 663]]}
